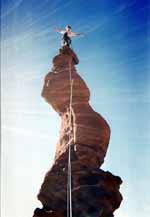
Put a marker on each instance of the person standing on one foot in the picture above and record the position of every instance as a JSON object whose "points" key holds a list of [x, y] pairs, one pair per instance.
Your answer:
{"points": [[67, 35]]}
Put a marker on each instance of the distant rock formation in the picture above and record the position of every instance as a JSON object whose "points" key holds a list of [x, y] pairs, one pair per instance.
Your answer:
{"points": [[95, 193]]}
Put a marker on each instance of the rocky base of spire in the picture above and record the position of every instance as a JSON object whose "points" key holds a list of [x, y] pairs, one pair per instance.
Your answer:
{"points": [[94, 193]]}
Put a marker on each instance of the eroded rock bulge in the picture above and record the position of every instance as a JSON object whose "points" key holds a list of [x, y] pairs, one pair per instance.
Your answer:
{"points": [[90, 132]]}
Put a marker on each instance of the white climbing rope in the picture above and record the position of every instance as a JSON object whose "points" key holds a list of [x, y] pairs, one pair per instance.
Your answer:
{"points": [[69, 181]]}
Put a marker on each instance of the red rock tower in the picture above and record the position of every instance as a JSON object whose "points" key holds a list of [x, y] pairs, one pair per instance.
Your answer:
{"points": [[95, 193]]}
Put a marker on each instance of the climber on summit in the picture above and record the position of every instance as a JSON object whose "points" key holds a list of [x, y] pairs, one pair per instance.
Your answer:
{"points": [[67, 35]]}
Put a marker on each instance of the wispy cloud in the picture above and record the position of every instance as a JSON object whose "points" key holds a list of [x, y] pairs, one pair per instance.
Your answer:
{"points": [[31, 113], [31, 32], [124, 6], [103, 21], [10, 9], [26, 132]]}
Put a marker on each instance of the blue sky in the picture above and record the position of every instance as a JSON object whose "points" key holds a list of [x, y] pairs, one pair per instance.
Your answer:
{"points": [[114, 63]]}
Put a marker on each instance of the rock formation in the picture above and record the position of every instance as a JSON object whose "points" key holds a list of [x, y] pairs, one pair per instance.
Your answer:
{"points": [[95, 193]]}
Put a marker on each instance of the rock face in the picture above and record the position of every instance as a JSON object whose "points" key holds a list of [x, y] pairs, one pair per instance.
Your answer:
{"points": [[95, 193]]}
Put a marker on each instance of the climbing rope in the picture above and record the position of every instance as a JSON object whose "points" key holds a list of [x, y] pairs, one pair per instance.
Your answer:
{"points": [[69, 181]]}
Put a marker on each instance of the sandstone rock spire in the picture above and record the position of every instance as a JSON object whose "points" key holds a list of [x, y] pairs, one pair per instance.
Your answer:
{"points": [[94, 192]]}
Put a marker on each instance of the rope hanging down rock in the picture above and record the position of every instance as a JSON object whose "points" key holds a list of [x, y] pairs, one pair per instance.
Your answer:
{"points": [[71, 125]]}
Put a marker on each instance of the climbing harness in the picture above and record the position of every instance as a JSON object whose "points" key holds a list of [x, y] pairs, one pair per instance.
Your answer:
{"points": [[69, 180]]}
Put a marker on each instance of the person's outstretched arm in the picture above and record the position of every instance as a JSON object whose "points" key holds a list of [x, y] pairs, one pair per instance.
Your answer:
{"points": [[59, 30], [73, 34]]}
